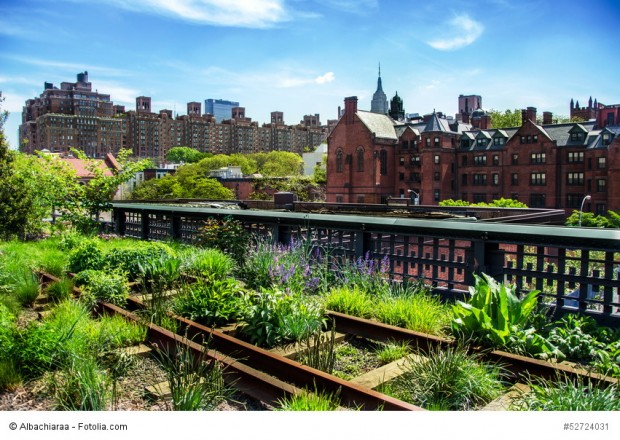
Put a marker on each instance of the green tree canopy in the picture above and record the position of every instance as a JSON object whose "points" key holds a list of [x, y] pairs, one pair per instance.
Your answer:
{"points": [[505, 119], [185, 155]]}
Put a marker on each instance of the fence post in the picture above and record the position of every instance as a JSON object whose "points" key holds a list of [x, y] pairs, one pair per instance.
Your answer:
{"points": [[175, 226], [484, 257], [118, 217], [363, 242]]}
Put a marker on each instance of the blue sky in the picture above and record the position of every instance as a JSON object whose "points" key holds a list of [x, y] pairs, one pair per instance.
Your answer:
{"points": [[304, 56]]}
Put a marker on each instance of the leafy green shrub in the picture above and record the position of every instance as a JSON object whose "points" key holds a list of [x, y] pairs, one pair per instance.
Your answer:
{"points": [[449, 379], [227, 235], [273, 317], [109, 287], [572, 335], [494, 313], [86, 256], [115, 331], [567, 395], [70, 240], [214, 302], [129, 260]]}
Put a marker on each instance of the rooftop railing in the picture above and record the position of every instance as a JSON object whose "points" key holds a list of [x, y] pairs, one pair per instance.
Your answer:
{"points": [[576, 269]]}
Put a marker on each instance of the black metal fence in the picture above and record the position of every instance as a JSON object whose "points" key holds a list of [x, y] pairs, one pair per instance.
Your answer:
{"points": [[576, 269]]}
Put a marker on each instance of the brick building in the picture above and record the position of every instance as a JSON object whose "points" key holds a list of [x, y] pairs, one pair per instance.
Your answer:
{"points": [[76, 117], [372, 157]]}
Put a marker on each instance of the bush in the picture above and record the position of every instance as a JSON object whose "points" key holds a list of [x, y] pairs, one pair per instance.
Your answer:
{"points": [[214, 302], [60, 290], [211, 264], [87, 256], [27, 289], [227, 235], [350, 300], [129, 260], [108, 287]]}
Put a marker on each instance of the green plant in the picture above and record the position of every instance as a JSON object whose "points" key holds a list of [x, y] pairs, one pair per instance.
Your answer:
{"points": [[573, 336], [160, 273], [564, 394], [115, 331], [392, 351], [214, 302], [128, 260], [350, 300], [494, 313], [318, 350], [310, 401], [60, 290], [27, 289], [109, 287], [419, 312], [86, 256], [273, 317], [195, 383], [211, 264], [82, 386], [449, 379], [227, 235], [10, 376]]}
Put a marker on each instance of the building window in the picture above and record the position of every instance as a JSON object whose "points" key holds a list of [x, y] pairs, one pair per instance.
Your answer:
{"points": [[522, 139], [480, 197], [495, 179], [428, 142], [464, 160], [576, 136], [536, 158], [383, 162], [480, 160], [463, 179], [401, 176], [480, 179], [339, 199], [606, 139], [601, 163], [405, 144], [415, 160], [339, 166], [481, 142], [495, 160], [464, 143], [601, 209], [575, 157], [574, 178], [436, 195], [401, 161], [537, 200], [535, 138], [515, 159], [436, 158], [436, 175], [498, 141], [436, 141], [601, 185], [538, 179], [360, 160], [415, 177], [574, 200]]}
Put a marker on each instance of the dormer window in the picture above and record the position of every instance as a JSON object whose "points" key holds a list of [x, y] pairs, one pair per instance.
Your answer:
{"points": [[481, 142], [606, 138], [576, 136], [498, 141]]}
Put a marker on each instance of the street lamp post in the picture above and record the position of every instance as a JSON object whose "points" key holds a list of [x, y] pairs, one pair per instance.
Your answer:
{"points": [[588, 197], [415, 201]]}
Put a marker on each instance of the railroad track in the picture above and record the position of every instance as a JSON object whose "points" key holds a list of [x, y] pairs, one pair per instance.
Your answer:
{"points": [[269, 376]]}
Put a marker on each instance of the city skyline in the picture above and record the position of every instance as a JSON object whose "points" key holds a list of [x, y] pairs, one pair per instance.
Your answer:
{"points": [[304, 57]]}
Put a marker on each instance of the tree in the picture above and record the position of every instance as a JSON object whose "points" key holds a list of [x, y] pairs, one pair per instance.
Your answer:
{"points": [[15, 201], [320, 171], [505, 119], [193, 185], [280, 164], [185, 155]]}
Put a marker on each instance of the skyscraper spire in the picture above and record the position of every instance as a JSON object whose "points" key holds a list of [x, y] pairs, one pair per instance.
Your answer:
{"points": [[379, 102]]}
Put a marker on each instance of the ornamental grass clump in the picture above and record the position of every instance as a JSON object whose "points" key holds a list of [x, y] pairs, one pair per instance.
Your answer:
{"points": [[310, 401], [418, 312], [209, 263], [350, 300], [564, 394], [449, 379]]}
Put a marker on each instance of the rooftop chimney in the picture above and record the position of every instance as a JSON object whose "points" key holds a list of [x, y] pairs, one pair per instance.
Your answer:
{"points": [[531, 114], [547, 118], [350, 108]]}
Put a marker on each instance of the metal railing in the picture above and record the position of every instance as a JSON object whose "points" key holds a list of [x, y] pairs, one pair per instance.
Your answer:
{"points": [[576, 269]]}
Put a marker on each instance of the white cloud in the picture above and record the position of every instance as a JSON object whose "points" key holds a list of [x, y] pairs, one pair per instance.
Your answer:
{"points": [[463, 31], [119, 94], [324, 79], [238, 13]]}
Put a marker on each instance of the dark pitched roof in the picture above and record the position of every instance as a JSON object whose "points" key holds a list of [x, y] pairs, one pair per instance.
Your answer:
{"points": [[436, 123]]}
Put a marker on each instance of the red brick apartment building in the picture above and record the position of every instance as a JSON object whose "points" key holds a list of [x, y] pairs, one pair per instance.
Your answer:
{"points": [[372, 157], [75, 116]]}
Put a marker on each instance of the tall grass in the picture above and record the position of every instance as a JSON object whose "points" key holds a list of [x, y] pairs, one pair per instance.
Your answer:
{"points": [[310, 401], [564, 394], [418, 312], [195, 384], [81, 386], [449, 379], [350, 300]]}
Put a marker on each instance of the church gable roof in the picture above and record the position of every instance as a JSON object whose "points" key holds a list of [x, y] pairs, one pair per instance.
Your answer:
{"points": [[381, 125]]}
